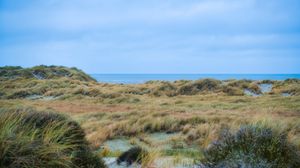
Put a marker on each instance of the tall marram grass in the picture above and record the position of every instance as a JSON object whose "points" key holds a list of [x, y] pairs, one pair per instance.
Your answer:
{"points": [[43, 139]]}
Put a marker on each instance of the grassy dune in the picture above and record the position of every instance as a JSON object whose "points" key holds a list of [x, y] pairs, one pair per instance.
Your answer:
{"points": [[199, 111]]}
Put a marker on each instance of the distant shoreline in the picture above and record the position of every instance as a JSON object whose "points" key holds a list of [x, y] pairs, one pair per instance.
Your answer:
{"points": [[142, 78]]}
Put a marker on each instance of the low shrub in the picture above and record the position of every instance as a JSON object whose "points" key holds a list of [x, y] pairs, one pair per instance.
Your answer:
{"points": [[252, 146]]}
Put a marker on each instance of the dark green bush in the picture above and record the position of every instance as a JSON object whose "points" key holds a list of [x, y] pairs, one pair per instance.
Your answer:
{"points": [[252, 146]]}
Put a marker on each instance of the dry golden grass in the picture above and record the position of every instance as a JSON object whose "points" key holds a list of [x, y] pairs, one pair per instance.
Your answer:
{"points": [[198, 110], [198, 117]]}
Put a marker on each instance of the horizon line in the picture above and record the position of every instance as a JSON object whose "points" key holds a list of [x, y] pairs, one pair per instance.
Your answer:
{"points": [[193, 73]]}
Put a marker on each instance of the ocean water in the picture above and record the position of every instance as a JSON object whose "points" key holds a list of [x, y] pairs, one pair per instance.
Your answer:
{"points": [[142, 78]]}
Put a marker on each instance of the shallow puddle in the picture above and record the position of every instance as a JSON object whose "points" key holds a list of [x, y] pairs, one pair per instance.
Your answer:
{"points": [[174, 163], [162, 136], [40, 97], [164, 162], [286, 94], [265, 88], [121, 144], [166, 142], [111, 162]]}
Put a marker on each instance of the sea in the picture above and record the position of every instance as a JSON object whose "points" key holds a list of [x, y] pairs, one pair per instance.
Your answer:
{"points": [[142, 78]]}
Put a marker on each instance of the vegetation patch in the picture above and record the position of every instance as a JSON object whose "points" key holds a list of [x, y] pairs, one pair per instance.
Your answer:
{"points": [[203, 85], [30, 138], [252, 146]]}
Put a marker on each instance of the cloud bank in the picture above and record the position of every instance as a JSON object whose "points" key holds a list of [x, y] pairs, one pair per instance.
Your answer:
{"points": [[153, 36]]}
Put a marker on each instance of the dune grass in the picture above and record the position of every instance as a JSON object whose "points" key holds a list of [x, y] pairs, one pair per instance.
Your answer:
{"points": [[71, 83], [198, 111], [42, 139]]}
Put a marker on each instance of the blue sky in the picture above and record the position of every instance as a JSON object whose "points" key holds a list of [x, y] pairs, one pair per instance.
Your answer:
{"points": [[153, 36]]}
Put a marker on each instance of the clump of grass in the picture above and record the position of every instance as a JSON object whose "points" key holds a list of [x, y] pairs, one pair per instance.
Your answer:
{"points": [[43, 139], [11, 72], [136, 90], [292, 80], [267, 81], [203, 85], [252, 146], [245, 84], [165, 88], [22, 93], [92, 92], [232, 91], [148, 160], [291, 86]]}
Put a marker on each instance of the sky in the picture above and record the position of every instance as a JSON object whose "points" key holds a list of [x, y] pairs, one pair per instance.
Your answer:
{"points": [[153, 36]]}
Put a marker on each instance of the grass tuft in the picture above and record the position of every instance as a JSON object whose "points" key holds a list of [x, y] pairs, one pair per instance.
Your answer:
{"points": [[252, 146], [29, 138]]}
